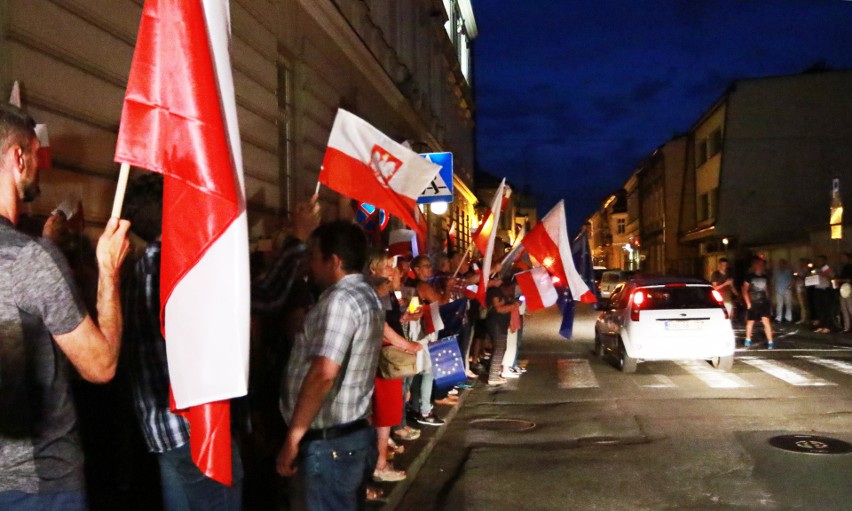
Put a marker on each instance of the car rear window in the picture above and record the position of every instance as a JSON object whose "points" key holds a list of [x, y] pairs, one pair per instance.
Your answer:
{"points": [[699, 297], [610, 278]]}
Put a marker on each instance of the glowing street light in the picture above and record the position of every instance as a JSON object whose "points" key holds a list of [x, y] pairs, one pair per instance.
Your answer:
{"points": [[439, 208]]}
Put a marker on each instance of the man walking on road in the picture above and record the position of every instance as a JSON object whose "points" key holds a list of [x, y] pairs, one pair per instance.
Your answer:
{"points": [[328, 386], [783, 284], [44, 325], [756, 295], [723, 283]]}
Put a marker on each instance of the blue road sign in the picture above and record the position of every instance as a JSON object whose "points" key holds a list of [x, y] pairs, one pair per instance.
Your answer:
{"points": [[441, 188]]}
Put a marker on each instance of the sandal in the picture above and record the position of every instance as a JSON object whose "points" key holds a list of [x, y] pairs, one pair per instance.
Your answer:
{"points": [[407, 434], [395, 447], [388, 474], [375, 494]]}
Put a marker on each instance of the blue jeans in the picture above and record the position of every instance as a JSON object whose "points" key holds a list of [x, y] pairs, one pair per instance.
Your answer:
{"points": [[186, 487], [334, 473], [60, 501], [421, 392]]}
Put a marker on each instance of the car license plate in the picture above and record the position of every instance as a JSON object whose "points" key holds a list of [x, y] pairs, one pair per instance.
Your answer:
{"points": [[684, 325]]}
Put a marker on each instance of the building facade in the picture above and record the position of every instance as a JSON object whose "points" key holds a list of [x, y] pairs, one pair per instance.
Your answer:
{"points": [[609, 239], [660, 183], [404, 67], [760, 168]]}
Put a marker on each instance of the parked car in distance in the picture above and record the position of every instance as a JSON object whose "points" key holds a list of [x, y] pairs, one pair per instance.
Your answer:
{"points": [[665, 319], [611, 279], [598, 271]]}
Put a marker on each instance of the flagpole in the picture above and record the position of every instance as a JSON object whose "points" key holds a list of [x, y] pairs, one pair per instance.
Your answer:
{"points": [[317, 191], [123, 175], [469, 247]]}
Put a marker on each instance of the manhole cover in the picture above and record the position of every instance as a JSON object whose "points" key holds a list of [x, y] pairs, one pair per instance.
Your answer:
{"points": [[502, 424], [810, 444]]}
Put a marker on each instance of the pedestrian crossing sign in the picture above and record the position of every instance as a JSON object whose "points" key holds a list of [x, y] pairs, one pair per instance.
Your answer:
{"points": [[441, 188]]}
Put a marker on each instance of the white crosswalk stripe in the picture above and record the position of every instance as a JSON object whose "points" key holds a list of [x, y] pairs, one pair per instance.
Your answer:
{"points": [[576, 373], [658, 381], [837, 365], [787, 373], [713, 377]]}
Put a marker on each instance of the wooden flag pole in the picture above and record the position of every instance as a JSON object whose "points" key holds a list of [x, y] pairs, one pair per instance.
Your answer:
{"points": [[123, 175], [317, 191], [458, 268]]}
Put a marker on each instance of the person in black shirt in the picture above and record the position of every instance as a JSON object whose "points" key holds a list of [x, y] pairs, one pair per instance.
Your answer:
{"points": [[756, 294]]}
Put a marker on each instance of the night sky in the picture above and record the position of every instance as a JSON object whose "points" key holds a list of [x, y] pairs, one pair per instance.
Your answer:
{"points": [[572, 94]]}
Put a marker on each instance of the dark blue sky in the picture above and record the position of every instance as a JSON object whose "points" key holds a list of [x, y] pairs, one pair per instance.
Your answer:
{"points": [[572, 94]]}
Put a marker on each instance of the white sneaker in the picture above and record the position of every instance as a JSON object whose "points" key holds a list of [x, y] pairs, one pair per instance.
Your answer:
{"points": [[509, 374]]}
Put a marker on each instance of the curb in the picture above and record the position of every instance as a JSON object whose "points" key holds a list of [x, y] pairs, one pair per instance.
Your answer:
{"points": [[400, 489]]}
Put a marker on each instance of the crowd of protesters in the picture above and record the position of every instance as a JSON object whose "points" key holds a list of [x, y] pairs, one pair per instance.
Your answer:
{"points": [[320, 425], [815, 293]]}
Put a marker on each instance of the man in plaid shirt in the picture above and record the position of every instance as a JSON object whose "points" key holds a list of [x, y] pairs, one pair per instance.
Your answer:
{"points": [[328, 386]]}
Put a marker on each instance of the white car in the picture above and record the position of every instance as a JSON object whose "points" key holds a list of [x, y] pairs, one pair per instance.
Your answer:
{"points": [[665, 319]]}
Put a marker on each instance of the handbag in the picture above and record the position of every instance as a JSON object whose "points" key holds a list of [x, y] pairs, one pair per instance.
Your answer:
{"points": [[396, 363]]}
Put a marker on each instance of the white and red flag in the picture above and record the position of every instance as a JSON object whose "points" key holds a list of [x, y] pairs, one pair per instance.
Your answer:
{"points": [[180, 119], [485, 240], [403, 242], [481, 236], [537, 288], [432, 321], [548, 242], [363, 163]]}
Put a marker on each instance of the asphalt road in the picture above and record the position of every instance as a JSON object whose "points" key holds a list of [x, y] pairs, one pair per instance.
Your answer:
{"points": [[575, 434]]}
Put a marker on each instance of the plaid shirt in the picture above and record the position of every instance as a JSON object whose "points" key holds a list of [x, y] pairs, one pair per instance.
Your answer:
{"points": [[146, 348], [345, 326]]}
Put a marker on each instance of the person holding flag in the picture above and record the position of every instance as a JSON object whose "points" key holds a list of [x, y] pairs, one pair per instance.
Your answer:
{"points": [[183, 485], [42, 310]]}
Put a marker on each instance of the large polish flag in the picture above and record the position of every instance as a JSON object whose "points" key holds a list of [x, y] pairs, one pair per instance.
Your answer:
{"points": [[483, 232], [180, 119], [486, 235], [363, 163], [537, 288], [548, 242]]}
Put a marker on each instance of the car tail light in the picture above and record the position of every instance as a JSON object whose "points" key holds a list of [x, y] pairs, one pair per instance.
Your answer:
{"points": [[636, 304], [721, 301]]}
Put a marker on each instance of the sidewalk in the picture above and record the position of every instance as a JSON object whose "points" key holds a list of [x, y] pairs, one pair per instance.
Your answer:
{"points": [[415, 455]]}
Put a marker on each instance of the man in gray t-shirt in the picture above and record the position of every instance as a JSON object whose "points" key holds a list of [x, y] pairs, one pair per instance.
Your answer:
{"points": [[43, 326]]}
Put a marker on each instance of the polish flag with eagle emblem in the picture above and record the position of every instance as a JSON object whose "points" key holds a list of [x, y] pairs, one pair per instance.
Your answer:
{"points": [[363, 163]]}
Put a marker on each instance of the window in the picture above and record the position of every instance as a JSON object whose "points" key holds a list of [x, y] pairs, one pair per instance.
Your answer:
{"points": [[703, 207], [712, 201], [700, 153], [620, 225], [714, 143]]}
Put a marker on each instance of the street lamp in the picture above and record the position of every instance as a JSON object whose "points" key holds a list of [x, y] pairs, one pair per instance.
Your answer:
{"points": [[439, 208]]}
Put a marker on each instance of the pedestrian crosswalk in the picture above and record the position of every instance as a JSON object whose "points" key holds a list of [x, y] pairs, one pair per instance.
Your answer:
{"points": [[712, 377], [787, 373], [748, 372]]}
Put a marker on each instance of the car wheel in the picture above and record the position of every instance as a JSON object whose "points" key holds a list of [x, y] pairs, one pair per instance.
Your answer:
{"points": [[600, 351], [626, 363], [723, 363]]}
